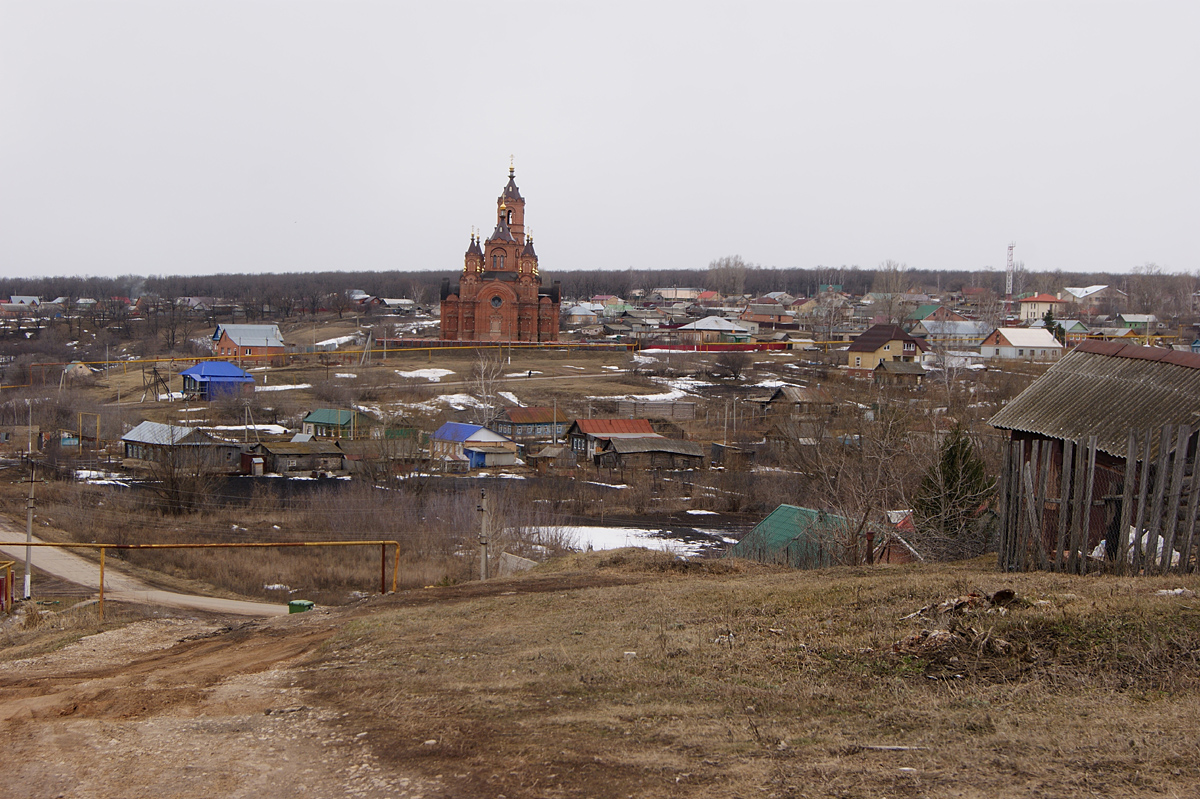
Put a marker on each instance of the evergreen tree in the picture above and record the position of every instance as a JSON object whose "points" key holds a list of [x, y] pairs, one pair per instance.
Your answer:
{"points": [[948, 502], [1056, 330]]}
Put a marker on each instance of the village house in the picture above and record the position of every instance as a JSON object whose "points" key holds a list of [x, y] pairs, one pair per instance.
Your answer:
{"points": [[649, 453], [1094, 299], [457, 445], [530, 424], [898, 373], [712, 330], [332, 423], [587, 436], [1021, 344], [247, 341], [299, 457], [209, 380], [1035, 307], [153, 445], [800, 401], [882, 343], [951, 335]]}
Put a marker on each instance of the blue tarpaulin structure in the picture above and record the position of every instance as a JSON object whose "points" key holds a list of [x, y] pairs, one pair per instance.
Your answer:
{"points": [[215, 379]]}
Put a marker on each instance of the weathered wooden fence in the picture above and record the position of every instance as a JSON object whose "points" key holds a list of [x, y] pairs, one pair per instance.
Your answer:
{"points": [[1065, 506]]}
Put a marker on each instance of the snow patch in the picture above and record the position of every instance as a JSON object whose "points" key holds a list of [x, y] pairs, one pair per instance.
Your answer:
{"points": [[432, 375], [283, 388]]}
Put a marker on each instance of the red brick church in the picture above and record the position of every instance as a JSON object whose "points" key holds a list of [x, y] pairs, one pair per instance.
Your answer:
{"points": [[500, 296]]}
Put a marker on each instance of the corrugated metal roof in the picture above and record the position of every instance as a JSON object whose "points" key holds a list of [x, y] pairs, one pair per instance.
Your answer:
{"points": [[533, 415], [1106, 389], [164, 435], [794, 536], [629, 446], [605, 427]]}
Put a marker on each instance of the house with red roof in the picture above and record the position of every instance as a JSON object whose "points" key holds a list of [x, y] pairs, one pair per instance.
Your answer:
{"points": [[587, 436], [1035, 307]]}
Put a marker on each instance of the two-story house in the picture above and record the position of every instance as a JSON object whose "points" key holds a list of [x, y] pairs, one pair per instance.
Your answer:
{"points": [[882, 343]]}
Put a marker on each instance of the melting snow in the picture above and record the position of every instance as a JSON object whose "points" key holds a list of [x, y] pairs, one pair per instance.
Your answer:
{"points": [[432, 375], [282, 388]]}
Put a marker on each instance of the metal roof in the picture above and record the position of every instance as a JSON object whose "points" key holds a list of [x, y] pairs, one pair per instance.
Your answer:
{"points": [[878, 335], [251, 335], [461, 431], [300, 447], [1034, 337], [1106, 389], [164, 435], [606, 427], [629, 446], [794, 536], [533, 415], [338, 418], [222, 371]]}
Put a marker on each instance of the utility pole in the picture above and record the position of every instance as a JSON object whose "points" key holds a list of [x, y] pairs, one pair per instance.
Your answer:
{"points": [[29, 530], [483, 534]]}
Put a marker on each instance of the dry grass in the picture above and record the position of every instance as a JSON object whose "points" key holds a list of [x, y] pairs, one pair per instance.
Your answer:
{"points": [[747, 680]]}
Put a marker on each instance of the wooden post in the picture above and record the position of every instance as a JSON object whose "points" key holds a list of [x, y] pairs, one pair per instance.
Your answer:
{"points": [[1043, 487], [1122, 564], [1156, 507], [1139, 536], [383, 568], [1064, 504], [1171, 521], [1185, 559], [1005, 532], [101, 583], [1015, 511], [1077, 507], [1031, 520], [1086, 516]]}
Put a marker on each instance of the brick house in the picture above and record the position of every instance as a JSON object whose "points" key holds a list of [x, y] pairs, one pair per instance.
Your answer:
{"points": [[248, 341]]}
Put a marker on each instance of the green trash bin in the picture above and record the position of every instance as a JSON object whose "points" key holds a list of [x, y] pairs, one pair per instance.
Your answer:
{"points": [[300, 605]]}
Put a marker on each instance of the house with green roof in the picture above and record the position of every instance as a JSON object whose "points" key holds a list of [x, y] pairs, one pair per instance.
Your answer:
{"points": [[336, 424], [801, 538]]}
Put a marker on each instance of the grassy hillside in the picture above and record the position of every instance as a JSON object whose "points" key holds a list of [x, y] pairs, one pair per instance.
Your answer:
{"points": [[631, 674]]}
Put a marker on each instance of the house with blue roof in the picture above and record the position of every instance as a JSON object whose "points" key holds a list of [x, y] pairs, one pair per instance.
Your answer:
{"points": [[458, 446], [211, 380]]}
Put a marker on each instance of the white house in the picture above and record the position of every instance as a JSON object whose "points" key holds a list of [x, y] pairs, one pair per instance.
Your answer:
{"points": [[1021, 344]]}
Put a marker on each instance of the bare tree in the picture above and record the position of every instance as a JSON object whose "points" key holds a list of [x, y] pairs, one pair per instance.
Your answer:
{"points": [[734, 362], [727, 275], [485, 376], [889, 290]]}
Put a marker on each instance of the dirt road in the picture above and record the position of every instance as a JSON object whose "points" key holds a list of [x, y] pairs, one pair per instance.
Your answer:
{"points": [[118, 587], [185, 708]]}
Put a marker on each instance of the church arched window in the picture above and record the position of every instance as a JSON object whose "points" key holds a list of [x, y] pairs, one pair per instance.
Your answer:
{"points": [[497, 260], [510, 217]]}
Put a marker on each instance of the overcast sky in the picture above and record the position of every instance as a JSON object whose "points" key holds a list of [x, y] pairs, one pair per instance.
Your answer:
{"points": [[200, 137]]}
